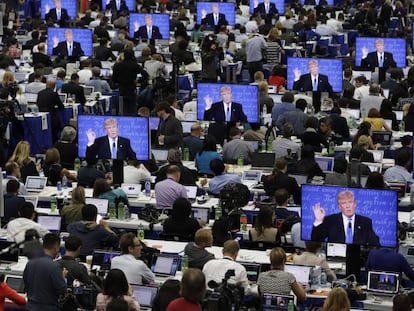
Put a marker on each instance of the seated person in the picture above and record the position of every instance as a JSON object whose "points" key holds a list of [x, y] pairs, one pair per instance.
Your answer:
{"points": [[338, 177], [207, 153], [355, 156], [220, 178], [310, 258], [67, 147], [169, 190], [136, 172], [92, 234], [187, 176], [17, 227], [196, 251], [399, 172], [277, 280], [364, 142], [307, 164], [282, 200], [180, 222], [73, 211], [285, 146], [12, 202], [263, 229], [237, 147], [102, 190], [311, 137], [89, 173], [337, 300]]}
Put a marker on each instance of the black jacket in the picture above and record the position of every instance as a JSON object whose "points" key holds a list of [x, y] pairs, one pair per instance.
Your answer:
{"points": [[282, 180]]}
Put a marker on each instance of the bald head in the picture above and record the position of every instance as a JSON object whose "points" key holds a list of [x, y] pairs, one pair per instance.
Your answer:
{"points": [[196, 130]]}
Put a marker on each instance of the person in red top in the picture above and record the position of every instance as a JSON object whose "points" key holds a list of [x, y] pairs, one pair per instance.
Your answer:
{"points": [[7, 292], [193, 289], [277, 77]]}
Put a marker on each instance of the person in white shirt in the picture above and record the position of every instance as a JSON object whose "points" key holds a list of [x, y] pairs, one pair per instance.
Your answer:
{"points": [[135, 172], [136, 271], [172, 101], [16, 228], [85, 74], [191, 106], [215, 269], [13, 172]]}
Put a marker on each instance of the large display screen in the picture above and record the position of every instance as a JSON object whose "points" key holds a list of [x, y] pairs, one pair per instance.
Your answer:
{"points": [[71, 42], [349, 215], [206, 10], [129, 3], [255, 5], [149, 26], [66, 5]]}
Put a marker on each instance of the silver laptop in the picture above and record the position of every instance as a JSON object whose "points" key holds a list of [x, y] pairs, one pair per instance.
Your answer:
{"points": [[35, 183], [255, 175], [132, 190], [144, 294], [101, 205], [165, 265], [302, 273], [15, 282], [88, 90], [51, 223], [20, 76], [191, 192], [383, 283], [31, 198]]}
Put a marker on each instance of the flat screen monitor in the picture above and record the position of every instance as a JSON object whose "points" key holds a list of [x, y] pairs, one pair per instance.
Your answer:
{"points": [[382, 282], [244, 102], [48, 7], [394, 52], [335, 250], [58, 42], [373, 215], [205, 16], [129, 3], [299, 75], [276, 302], [382, 137], [95, 135], [317, 2], [149, 26], [259, 7]]}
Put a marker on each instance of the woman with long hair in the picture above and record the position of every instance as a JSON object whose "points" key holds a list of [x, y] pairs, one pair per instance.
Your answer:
{"points": [[21, 155], [337, 300], [73, 212], [377, 122], [169, 291], [103, 190], [263, 229], [52, 168], [365, 129]]}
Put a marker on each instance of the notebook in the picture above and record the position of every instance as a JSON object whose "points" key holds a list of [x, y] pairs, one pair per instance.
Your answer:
{"points": [[101, 205], [275, 302], [325, 163], [51, 223], [263, 160], [15, 282], [103, 258], [252, 269], [385, 283], [201, 213], [144, 294], [132, 190], [35, 183], [191, 192], [302, 273], [165, 265], [252, 175], [160, 154]]}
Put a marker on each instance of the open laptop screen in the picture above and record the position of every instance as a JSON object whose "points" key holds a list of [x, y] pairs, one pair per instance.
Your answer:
{"points": [[144, 294], [252, 270], [382, 137], [35, 183], [103, 258], [51, 223], [15, 282], [101, 205], [383, 282], [301, 273], [191, 192], [165, 264], [275, 302], [201, 213], [325, 163]]}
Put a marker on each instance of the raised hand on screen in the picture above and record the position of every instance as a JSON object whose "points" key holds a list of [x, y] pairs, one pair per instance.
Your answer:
{"points": [[55, 41], [297, 73], [364, 51], [108, 1], [256, 3], [47, 8], [318, 212], [203, 13], [136, 26], [91, 136], [208, 101]]}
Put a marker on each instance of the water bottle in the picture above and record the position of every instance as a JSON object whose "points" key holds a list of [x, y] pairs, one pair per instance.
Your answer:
{"points": [[59, 188], [263, 146], [323, 279], [412, 194], [112, 210], [141, 232], [331, 147], [184, 263], [64, 182], [264, 110], [77, 164], [291, 306], [256, 197], [186, 154], [240, 160], [243, 223], [53, 204], [147, 188], [126, 212], [217, 213], [402, 126], [121, 215], [225, 142]]}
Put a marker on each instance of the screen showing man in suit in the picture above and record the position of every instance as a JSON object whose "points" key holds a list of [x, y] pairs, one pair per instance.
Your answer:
{"points": [[345, 226], [225, 110], [378, 58], [215, 18], [68, 47], [57, 14], [147, 31], [312, 81], [110, 146], [116, 5], [265, 8]]}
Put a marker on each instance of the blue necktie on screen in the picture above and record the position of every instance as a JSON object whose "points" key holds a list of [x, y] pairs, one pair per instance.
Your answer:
{"points": [[113, 150], [149, 32], [58, 15], [315, 84], [267, 8], [381, 61], [228, 113], [215, 19], [70, 50], [349, 233]]}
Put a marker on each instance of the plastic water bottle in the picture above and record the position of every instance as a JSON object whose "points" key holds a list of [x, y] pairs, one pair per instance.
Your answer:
{"points": [[263, 146], [243, 223], [186, 156], [121, 215], [126, 212], [77, 164], [331, 147], [59, 187], [217, 212], [147, 188], [240, 160], [53, 204], [291, 306], [184, 263], [141, 232], [264, 109], [64, 182], [112, 210], [402, 126], [324, 279]]}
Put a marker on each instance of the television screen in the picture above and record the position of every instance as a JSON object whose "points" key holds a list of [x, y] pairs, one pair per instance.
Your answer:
{"points": [[212, 97], [258, 6], [317, 2], [206, 14], [69, 42], [366, 55], [48, 7], [96, 135], [149, 26], [301, 73], [349, 215], [111, 6]]}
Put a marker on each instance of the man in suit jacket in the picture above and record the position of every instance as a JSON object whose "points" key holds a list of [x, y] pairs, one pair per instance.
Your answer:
{"points": [[225, 110], [117, 5], [148, 31], [68, 48], [58, 14], [266, 8], [110, 146], [312, 81], [214, 19], [379, 58], [344, 227], [316, 2]]}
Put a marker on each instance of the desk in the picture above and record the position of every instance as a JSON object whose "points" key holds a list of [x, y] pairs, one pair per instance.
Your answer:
{"points": [[68, 113], [37, 131]]}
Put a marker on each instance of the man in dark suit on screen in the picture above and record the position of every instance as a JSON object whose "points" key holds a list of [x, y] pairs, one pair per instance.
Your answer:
{"points": [[67, 48], [266, 8], [344, 227], [148, 31], [315, 2], [110, 146], [378, 58], [57, 14], [116, 5], [312, 81], [225, 110], [214, 19]]}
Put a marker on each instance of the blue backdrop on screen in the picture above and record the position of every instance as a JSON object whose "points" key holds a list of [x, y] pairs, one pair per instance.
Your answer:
{"points": [[246, 95], [133, 128], [329, 67], [225, 8], [83, 36], [280, 5], [329, 2], [162, 21], [130, 4], [395, 46], [379, 205], [69, 5]]}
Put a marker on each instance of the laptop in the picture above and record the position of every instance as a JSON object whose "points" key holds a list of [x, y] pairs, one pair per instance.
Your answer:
{"points": [[335, 251], [325, 163], [160, 155], [105, 72], [300, 179], [252, 270], [355, 113], [101, 205], [20, 76], [88, 90], [382, 137], [144, 294], [378, 155], [202, 213], [165, 265], [399, 187], [12, 255], [51, 223], [190, 116], [302, 273], [31, 198], [31, 97], [15, 282], [276, 302], [191, 192], [255, 175], [103, 258], [187, 126], [383, 283], [262, 160], [132, 190], [399, 114], [35, 183]]}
